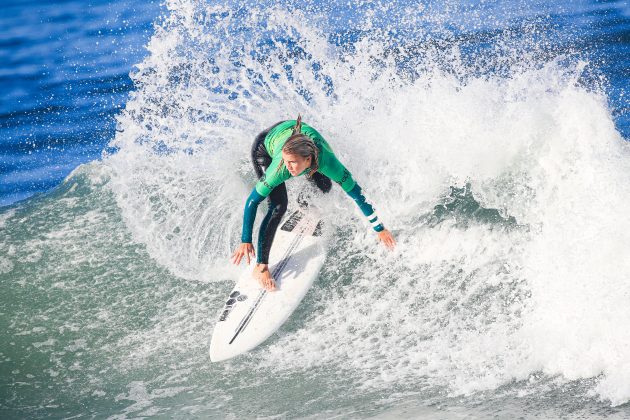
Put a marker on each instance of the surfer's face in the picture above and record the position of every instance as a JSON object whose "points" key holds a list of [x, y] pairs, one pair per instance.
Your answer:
{"points": [[296, 164]]}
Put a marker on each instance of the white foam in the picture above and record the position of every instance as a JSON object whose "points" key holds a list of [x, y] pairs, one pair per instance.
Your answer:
{"points": [[466, 309], [6, 265], [6, 215]]}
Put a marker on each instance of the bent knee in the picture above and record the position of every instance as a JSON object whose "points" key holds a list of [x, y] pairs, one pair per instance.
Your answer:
{"points": [[278, 209]]}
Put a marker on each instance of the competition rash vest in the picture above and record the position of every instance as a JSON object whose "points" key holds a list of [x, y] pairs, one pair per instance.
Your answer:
{"points": [[277, 173]]}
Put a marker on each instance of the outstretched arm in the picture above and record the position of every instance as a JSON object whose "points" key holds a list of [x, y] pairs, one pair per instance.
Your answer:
{"points": [[333, 169], [368, 211]]}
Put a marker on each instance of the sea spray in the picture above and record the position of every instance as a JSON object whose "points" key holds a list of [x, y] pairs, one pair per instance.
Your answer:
{"points": [[490, 153], [466, 307]]}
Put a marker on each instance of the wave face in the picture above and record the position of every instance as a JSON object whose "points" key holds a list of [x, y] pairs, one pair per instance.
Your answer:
{"points": [[490, 151]]}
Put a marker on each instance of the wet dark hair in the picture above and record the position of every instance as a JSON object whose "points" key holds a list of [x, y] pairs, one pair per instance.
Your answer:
{"points": [[302, 145]]}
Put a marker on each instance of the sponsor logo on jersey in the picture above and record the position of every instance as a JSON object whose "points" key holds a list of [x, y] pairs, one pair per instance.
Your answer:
{"points": [[346, 174]]}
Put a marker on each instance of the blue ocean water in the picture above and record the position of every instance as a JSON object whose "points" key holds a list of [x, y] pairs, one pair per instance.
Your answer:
{"points": [[64, 74], [491, 136]]}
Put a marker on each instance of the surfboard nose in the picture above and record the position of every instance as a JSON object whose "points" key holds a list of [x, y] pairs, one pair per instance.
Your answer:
{"points": [[219, 355], [250, 315]]}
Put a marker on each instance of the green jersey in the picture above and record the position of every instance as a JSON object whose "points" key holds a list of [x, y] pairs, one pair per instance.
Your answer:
{"points": [[277, 172]]}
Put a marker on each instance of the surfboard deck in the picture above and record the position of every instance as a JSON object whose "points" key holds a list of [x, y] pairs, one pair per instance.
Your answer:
{"points": [[251, 314]]}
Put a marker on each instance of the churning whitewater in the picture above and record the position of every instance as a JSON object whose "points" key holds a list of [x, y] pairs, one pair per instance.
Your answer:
{"points": [[499, 170]]}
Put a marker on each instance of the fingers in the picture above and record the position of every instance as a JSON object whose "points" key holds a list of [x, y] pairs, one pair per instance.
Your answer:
{"points": [[391, 242], [243, 250], [388, 239]]}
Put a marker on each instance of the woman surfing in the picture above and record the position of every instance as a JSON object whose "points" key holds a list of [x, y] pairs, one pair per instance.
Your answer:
{"points": [[289, 149]]}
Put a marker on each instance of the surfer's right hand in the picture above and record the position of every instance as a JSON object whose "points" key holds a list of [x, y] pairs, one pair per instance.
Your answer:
{"points": [[246, 249]]}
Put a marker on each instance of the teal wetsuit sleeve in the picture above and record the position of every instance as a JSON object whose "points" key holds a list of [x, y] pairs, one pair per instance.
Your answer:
{"points": [[333, 169], [366, 208], [249, 215]]}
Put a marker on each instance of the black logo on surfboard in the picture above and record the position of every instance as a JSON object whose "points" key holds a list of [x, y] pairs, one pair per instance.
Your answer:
{"points": [[235, 297], [294, 219]]}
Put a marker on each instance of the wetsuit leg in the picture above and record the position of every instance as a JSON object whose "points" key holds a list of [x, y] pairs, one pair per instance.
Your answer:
{"points": [[321, 181], [278, 199]]}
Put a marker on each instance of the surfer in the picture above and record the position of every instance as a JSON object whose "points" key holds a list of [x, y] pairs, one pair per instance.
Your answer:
{"points": [[287, 149]]}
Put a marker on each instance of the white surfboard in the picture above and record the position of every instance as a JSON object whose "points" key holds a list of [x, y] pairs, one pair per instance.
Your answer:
{"points": [[251, 314]]}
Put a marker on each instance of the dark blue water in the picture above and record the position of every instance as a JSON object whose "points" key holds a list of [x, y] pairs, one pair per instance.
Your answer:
{"points": [[64, 75]]}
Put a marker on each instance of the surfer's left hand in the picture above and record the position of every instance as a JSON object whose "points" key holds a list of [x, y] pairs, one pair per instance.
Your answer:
{"points": [[387, 238]]}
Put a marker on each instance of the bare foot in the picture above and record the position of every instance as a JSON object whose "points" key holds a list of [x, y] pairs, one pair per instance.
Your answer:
{"points": [[262, 274]]}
